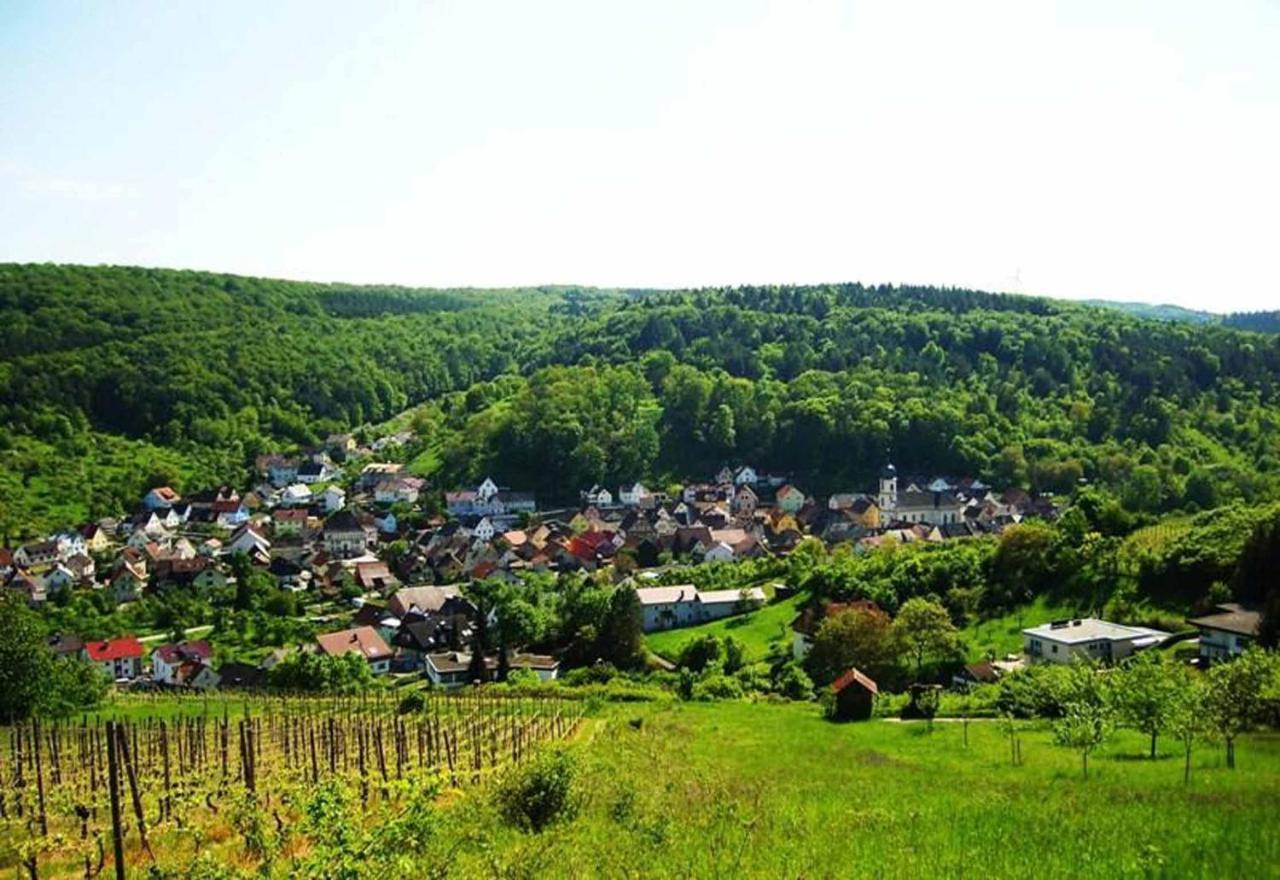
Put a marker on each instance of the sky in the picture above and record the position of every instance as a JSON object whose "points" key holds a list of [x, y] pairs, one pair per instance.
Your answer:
{"points": [[1119, 150]]}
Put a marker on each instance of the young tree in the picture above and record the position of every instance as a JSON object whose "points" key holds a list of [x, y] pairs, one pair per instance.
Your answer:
{"points": [[1186, 719], [1087, 719], [1235, 693], [1144, 695], [925, 630]]}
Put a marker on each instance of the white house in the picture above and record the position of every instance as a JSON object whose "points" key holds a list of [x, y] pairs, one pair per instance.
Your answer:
{"points": [[118, 658], [345, 536], [166, 660], [1086, 639], [484, 530], [598, 496], [725, 603], [746, 476], [718, 552], [1227, 632], [633, 495], [333, 499], [282, 471], [250, 541], [296, 495]]}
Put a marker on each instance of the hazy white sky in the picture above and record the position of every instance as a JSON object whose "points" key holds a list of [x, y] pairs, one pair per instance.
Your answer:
{"points": [[1114, 149]]}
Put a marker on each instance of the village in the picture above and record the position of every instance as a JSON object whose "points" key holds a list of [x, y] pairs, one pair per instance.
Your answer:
{"points": [[333, 528]]}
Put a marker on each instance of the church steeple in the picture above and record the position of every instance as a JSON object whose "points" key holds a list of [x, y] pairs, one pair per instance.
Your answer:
{"points": [[888, 495]]}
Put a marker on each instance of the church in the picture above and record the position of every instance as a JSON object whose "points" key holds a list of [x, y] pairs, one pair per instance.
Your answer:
{"points": [[914, 506]]}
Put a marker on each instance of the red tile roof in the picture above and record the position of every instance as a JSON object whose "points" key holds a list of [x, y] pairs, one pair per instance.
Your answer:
{"points": [[115, 649]]}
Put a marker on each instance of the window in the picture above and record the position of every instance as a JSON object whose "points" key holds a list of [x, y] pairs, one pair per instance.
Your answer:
{"points": [[1054, 648]]}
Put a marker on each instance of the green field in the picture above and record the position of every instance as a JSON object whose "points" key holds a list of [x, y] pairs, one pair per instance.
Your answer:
{"points": [[773, 790], [1003, 635], [756, 631]]}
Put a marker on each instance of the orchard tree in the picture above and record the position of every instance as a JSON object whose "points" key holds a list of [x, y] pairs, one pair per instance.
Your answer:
{"points": [[1187, 720], [1235, 696], [1087, 718], [1145, 692], [924, 629]]}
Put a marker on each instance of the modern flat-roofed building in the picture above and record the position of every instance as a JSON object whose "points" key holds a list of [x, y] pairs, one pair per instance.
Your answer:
{"points": [[1086, 638]]}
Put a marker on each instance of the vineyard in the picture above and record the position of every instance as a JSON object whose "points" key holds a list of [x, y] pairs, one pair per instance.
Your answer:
{"points": [[148, 793]]}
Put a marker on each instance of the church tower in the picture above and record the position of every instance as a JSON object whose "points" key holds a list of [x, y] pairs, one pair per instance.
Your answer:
{"points": [[888, 496]]}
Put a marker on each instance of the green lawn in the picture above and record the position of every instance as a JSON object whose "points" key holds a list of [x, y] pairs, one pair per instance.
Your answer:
{"points": [[773, 790], [1003, 634], [756, 631]]}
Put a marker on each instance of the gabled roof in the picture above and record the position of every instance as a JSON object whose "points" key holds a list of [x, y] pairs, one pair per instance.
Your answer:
{"points": [[363, 640], [853, 676], [184, 651], [114, 649]]}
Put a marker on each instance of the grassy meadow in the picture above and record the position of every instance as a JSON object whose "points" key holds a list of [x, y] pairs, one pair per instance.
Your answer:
{"points": [[773, 790], [756, 631]]}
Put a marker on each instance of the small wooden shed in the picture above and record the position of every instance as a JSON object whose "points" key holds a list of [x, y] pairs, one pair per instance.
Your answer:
{"points": [[855, 694]]}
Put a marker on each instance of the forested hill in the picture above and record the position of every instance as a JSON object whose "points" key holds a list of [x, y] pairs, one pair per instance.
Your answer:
{"points": [[111, 378]]}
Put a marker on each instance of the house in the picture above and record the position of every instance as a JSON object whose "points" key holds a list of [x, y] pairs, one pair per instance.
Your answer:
{"points": [[745, 476], [428, 600], [716, 604], [398, 490], [377, 471], [249, 541], [719, 552], [484, 530], [1086, 639], [195, 674], [37, 554], [453, 668], [1227, 632], [375, 577], [58, 578], [744, 501], [788, 498], [313, 471], [118, 658], [633, 495], [126, 583], [333, 498], [282, 471], [160, 498], [985, 672], [96, 538], [363, 640], [597, 496], [65, 645], [668, 607], [229, 513], [288, 521], [345, 536], [855, 696], [296, 495], [166, 660]]}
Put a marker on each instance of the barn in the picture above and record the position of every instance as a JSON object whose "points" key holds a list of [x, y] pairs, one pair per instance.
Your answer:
{"points": [[855, 694]]}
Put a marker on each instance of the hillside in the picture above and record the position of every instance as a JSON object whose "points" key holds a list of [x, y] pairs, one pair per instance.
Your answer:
{"points": [[114, 378]]}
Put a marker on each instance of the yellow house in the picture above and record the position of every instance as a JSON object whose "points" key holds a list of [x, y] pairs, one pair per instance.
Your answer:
{"points": [[865, 513]]}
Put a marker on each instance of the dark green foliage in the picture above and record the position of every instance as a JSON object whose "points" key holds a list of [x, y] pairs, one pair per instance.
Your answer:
{"points": [[147, 376], [319, 673], [534, 795], [32, 681]]}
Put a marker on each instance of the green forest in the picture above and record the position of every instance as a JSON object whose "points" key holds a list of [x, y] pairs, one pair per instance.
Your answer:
{"points": [[113, 379]]}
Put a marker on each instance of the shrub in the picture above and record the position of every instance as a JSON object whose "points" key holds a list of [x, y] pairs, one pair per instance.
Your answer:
{"points": [[717, 687], [532, 796], [411, 703]]}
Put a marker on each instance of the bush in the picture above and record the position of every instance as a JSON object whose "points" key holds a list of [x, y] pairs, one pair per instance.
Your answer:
{"points": [[411, 703], [532, 796], [717, 687]]}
